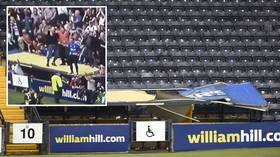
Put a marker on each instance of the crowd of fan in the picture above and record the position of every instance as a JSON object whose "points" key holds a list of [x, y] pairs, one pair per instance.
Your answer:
{"points": [[88, 86], [49, 31]]}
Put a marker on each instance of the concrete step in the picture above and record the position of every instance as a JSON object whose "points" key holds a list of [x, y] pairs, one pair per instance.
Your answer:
{"points": [[12, 111], [22, 152], [2, 95], [2, 101], [14, 117], [2, 84], [22, 146], [4, 106], [17, 121], [22, 149]]}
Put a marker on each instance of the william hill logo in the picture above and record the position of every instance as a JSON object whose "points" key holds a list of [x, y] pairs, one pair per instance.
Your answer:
{"points": [[65, 93], [45, 89], [97, 138], [213, 136]]}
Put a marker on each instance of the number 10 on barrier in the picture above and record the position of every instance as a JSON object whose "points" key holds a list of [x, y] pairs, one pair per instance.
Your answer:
{"points": [[28, 133]]}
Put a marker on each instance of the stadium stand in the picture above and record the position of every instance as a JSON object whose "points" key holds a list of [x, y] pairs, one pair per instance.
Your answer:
{"points": [[13, 114], [173, 44], [192, 43], [168, 44]]}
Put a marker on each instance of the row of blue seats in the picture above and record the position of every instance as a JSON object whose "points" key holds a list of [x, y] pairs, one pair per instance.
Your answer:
{"points": [[148, 2]]}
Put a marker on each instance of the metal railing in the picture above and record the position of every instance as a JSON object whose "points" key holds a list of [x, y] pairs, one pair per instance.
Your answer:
{"points": [[2, 117], [34, 117], [33, 114]]}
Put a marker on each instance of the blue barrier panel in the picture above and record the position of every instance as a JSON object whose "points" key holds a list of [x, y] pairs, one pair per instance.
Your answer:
{"points": [[45, 88], [227, 135], [89, 138]]}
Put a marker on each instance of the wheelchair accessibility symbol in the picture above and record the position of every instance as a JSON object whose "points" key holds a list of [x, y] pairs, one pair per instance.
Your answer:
{"points": [[19, 81], [149, 132]]}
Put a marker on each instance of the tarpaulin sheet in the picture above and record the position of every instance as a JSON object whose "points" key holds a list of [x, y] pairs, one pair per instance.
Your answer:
{"points": [[240, 94]]}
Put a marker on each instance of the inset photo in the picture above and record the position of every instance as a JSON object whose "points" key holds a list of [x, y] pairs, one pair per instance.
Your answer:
{"points": [[57, 55]]}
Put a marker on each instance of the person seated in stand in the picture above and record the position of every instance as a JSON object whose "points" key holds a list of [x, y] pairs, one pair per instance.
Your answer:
{"points": [[97, 94], [75, 82]]}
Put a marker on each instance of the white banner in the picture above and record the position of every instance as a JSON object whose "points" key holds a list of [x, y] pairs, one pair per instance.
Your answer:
{"points": [[150, 131], [28, 133], [20, 80]]}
